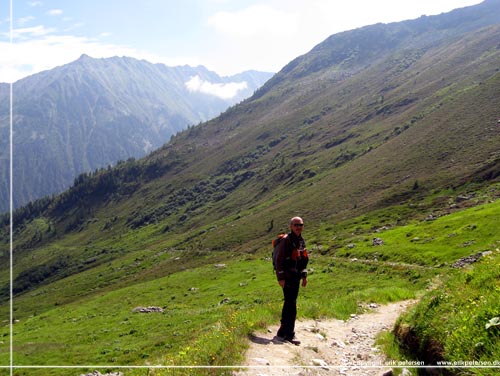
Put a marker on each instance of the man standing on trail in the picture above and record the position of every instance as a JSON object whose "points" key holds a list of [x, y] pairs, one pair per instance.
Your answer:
{"points": [[291, 263]]}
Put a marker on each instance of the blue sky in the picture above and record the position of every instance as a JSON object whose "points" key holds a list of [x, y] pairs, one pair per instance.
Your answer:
{"points": [[226, 36]]}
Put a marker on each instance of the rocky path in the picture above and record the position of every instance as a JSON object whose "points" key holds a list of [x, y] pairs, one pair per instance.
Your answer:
{"points": [[329, 347]]}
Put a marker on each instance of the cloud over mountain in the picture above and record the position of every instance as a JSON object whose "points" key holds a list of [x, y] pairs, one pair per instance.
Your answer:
{"points": [[221, 90]]}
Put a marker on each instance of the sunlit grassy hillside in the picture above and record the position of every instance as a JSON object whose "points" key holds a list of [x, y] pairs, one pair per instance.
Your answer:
{"points": [[208, 309]]}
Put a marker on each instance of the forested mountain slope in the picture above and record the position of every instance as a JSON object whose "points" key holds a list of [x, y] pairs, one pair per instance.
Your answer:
{"points": [[92, 113]]}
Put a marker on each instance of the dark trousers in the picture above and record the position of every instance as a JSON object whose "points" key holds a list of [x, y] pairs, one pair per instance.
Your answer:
{"points": [[289, 311]]}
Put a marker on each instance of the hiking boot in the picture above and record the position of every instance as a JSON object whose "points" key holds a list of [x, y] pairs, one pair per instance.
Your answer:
{"points": [[292, 340], [278, 338]]}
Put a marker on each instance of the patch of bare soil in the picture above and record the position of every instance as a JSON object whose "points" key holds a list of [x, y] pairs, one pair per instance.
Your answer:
{"points": [[328, 347]]}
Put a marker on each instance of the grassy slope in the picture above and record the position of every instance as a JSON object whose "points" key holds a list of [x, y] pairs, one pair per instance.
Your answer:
{"points": [[100, 328], [457, 323]]}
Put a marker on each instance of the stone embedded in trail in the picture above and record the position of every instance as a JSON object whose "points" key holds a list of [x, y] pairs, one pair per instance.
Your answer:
{"points": [[320, 363], [262, 361], [338, 343], [320, 337]]}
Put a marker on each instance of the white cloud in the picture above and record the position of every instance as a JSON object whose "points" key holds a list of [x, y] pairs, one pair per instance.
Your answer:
{"points": [[224, 91], [24, 20], [261, 37], [31, 32], [74, 26], [254, 20], [55, 12]]}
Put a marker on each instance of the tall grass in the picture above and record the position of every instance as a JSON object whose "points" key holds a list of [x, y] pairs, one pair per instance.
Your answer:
{"points": [[458, 323]]}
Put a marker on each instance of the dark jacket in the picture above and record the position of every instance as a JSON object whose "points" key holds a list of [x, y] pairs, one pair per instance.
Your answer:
{"points": [[289, 263]]}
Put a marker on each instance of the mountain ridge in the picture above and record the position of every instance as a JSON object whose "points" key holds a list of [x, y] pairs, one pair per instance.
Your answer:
{"points": [[94, 112], [344, 46]]}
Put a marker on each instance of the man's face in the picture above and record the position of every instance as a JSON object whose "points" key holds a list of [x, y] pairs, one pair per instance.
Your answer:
{"points": [[296, 226]]}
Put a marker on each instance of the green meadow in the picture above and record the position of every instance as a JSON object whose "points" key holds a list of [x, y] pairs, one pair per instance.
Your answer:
{"points": [[209, 309]]}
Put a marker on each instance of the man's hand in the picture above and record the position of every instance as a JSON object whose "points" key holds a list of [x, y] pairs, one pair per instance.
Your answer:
{"points": [[304, 282], [282, 283]]}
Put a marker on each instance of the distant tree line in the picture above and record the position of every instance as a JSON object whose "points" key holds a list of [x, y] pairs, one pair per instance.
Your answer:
{"points": [[91, 187]]}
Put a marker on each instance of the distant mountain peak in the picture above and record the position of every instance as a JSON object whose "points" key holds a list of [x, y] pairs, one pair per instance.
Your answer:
{"points": [[85, 57]]}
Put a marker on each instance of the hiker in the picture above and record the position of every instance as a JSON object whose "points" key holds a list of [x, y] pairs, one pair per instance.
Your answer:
{"points": [[291, 262]]}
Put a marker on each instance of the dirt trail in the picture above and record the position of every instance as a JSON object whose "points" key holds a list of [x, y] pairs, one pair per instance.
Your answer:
{"points": [[329, 347]]}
